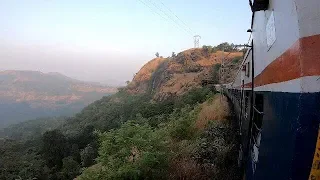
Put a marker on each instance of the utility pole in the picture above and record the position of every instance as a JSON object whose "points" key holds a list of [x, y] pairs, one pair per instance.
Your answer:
{"points": [[197, 41]]}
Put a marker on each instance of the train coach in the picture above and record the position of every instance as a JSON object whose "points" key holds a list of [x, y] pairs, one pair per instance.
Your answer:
{"points": [[276, 92]]}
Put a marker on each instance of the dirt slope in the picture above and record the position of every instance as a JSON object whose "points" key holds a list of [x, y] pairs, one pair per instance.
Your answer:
{"points": [[141, 80]]}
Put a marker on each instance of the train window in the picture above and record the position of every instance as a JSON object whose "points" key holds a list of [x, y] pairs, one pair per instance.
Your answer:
{"points": [[259, 110], [243, 68], [248, 69], [246, 105]]}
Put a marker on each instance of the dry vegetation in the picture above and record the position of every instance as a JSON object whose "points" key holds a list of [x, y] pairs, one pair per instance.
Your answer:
{"points": [[186, 169], [214, 109], [146, 71], [208, 158]]}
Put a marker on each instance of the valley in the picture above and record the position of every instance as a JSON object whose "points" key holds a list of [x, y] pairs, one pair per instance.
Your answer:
{"points": [[26, 95]]}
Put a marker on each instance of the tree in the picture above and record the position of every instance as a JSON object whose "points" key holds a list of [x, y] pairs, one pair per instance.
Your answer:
{"points": [[88, 155], [135, 151], [226, 47], [127, 82], [54, 148], [215, 73], [70, 168], [75, 152], [157, 54], [173, 54], [207, 49]]}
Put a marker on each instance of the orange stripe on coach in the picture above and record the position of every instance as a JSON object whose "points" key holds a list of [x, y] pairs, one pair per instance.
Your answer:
{"points": [[301, 59]]}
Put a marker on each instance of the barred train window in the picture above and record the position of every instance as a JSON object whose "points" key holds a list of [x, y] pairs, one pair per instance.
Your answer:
{"points": [[248, 69]]}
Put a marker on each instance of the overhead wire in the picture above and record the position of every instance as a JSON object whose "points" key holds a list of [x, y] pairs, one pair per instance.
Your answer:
{"points": [[167, 18], [185, 24], [170, 17], [156, 12]]}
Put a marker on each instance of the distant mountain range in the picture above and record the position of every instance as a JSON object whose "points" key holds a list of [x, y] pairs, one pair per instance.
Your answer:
{"points": [[28, 95]]}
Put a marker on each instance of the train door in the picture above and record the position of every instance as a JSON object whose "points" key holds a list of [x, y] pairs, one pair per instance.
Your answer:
{"points": [[257, 120], [241, 104], [241, 119], [244, 123]]}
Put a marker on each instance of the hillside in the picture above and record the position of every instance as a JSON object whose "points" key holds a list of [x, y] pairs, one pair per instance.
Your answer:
{"points": [[166, 124], [167, 77], [160, 81], [30, 94]]}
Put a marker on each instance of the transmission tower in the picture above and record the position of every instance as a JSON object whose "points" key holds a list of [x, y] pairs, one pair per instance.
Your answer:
{"points": [[197, 41]]}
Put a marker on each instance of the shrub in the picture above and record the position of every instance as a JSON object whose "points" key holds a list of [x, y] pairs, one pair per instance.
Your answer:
{"points": [[135, 151], [87, 156], [181, 125], [182, 129], [215, 73], [186, 168], [95, 172], [194, 96], [236, 60], [70, 168], [217, 150]]}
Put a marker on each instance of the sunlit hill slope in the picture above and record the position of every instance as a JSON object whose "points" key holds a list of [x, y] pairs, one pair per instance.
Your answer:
{"points": [[167, 77]]}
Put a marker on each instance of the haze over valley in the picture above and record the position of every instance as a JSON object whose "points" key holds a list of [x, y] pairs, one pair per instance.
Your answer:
{"points": [[26, 95]]}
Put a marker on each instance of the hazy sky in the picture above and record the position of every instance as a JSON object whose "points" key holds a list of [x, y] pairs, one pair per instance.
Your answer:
{"points": [[108, 41]]}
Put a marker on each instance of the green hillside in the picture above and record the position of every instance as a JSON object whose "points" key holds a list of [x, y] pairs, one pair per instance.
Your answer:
{"points": [[133, 134]]}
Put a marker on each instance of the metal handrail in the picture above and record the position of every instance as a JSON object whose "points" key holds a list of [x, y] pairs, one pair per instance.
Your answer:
{"points": [[259, 112], [254, 139], [255, 142], [257, 127]]}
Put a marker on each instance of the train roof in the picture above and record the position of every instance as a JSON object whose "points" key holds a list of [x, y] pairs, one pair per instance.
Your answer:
{"points": [[258, 5]]}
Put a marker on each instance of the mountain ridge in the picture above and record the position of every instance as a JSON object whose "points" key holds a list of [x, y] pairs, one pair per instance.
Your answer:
{"points": [[32, 93]]}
